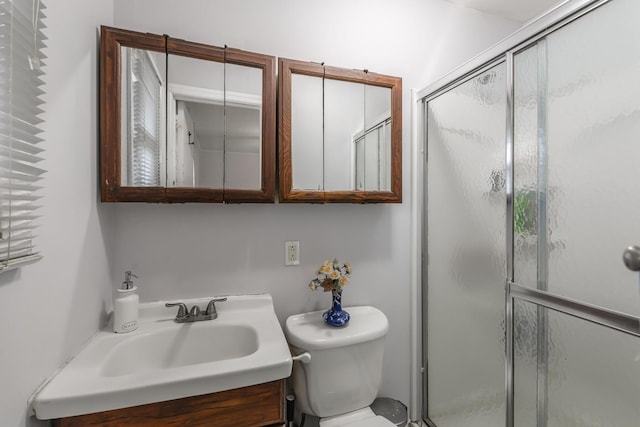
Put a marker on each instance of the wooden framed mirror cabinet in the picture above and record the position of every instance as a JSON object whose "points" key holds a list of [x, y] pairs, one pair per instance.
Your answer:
{"points": [[339, 135], [185, 122]]}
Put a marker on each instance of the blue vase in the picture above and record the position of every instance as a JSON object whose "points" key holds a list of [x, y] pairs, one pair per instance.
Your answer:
{"points": [[336, 316]]}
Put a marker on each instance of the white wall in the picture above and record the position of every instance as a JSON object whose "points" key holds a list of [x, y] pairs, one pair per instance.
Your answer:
{"points": [[182, 251], [49, 309]]}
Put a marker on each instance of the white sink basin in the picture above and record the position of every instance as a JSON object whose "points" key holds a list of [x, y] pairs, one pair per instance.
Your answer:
{"points": [[172, 348], [164, 360]]}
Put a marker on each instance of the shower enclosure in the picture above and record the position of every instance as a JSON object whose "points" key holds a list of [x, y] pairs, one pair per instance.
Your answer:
{"points": [[532, 194]]}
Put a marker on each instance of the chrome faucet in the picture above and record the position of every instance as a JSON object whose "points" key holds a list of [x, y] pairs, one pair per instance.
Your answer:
{"points": [[195, 314]]}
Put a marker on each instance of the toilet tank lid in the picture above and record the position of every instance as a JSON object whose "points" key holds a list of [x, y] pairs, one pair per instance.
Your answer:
{"points": [[308, 331]]}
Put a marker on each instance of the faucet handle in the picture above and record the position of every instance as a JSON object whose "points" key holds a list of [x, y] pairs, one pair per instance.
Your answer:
{"points": [[211, 307], [182, 310]]}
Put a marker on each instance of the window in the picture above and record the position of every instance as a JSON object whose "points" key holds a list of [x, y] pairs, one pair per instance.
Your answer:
{"points": [[21, 43]]}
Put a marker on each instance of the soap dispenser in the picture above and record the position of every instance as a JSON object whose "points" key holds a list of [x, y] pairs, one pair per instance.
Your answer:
{"points": [[125, 306]]}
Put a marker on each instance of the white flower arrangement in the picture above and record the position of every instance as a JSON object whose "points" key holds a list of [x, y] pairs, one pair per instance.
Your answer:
{"points": [[331, 276]]}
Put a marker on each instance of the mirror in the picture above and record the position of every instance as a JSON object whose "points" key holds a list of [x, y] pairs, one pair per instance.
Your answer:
{"points": [[243, 127], [340, 135], [185, 122], [142, 111], [195, 109]]}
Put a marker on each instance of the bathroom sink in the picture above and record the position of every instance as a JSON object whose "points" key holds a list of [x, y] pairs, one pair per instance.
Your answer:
{"points": [[190, 345], [164, 360]]}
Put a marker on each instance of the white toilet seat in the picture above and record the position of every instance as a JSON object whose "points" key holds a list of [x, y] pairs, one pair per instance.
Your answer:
{"points": [[360, 418]]}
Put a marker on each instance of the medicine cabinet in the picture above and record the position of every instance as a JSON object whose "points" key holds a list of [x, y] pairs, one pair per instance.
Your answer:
{"points": [[184, 122], [339, 136]]}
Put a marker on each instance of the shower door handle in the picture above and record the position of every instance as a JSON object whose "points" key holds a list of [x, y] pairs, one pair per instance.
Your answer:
{"points": [[631, 258]]}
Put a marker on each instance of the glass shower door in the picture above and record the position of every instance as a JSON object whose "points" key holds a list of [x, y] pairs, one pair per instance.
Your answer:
{"points": [[576, 208], [568, 318], [465, 241]]}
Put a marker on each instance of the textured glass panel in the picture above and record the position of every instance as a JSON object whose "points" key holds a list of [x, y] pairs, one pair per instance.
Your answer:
{"points": [[525, 211], [525, 330], [587, 110], [466, 252], [593, 372]]}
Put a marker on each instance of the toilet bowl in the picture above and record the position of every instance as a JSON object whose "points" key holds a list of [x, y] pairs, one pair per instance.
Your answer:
{"points": [[341, 376]]}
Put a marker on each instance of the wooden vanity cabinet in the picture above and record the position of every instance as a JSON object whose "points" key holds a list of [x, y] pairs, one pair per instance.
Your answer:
{"points": [[259, 405]]}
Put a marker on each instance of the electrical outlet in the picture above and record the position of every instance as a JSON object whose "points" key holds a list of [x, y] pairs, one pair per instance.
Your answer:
{"points": [[292, 253]]}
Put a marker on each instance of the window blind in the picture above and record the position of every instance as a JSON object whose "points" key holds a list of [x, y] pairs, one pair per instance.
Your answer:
{"points": [[145, 104], [21, 62]]}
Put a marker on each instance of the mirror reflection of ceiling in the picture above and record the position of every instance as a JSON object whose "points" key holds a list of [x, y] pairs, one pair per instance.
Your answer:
{"points": [[243, 127], [518, 10]]}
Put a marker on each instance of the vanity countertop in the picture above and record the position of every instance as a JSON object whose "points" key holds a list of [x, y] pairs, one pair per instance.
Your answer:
{"points": [[164, 360]]}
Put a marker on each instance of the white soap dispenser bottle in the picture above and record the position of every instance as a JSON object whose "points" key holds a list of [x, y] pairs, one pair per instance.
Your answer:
{"points": [[125, 306]]}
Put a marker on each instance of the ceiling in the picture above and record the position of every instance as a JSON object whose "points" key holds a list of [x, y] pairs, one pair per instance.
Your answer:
{"points": [[518, 10]]}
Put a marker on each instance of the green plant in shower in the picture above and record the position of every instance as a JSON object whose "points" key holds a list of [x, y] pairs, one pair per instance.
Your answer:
{"points": [[525, 213]]}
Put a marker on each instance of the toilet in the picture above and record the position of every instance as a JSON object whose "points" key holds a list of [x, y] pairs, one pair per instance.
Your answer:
{"points": [[340, 377]]}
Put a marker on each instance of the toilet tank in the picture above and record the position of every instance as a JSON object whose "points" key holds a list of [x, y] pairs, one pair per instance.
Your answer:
{"points": [[344, 372]]}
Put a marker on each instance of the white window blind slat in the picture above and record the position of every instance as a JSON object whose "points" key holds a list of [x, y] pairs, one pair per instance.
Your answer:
{"points": [[15, 176], [18, 145], [26, 196], [21, 62], [19, 218], [25, 86], [144, 88], [9, 163], [17, 154], [23, 235], [23, 241], [25, 81], [23, 250], [21, 109], [17, 128], [18, 228], [9, 136], [14, 185]]}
